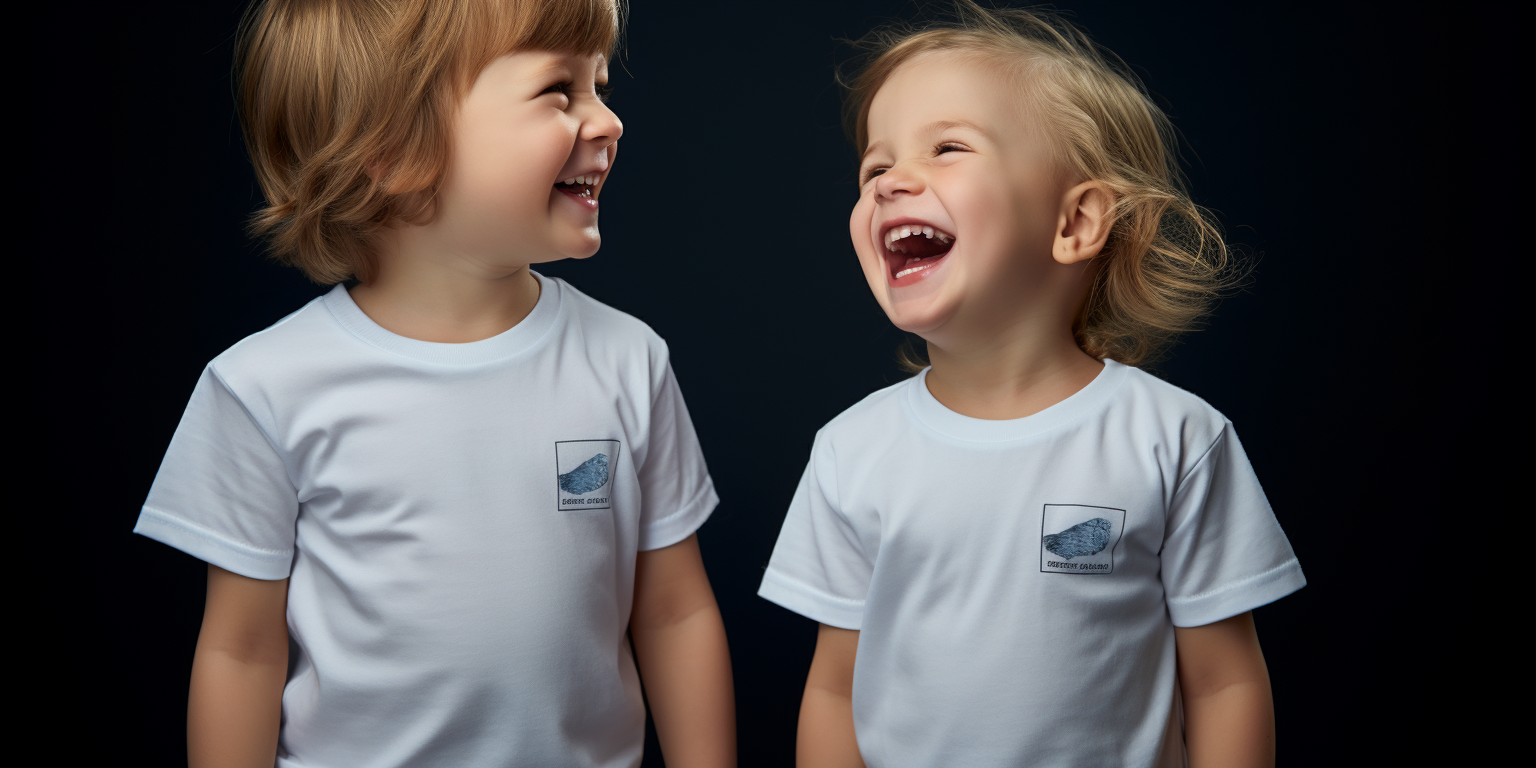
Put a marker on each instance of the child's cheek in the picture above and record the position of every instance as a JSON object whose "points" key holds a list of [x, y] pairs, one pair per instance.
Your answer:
{"points": [[501, 194], [860, 224], [513, 171]]}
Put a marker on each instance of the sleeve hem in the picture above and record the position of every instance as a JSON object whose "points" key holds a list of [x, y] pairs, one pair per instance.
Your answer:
{"points": [[212, 548], [680, 524], [810, 602], [1245, 595]]}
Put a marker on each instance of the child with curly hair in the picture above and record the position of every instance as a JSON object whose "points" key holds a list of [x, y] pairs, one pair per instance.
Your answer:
{"points": [[1031, 552]]}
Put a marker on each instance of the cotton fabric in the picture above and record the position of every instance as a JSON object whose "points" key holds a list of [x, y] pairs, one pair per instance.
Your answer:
{"points": [[458, 523], [1016, 583]]}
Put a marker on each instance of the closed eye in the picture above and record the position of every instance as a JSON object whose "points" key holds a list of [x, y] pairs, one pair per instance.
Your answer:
{"points": [[604, 90], [560, 88], [937, 150]]}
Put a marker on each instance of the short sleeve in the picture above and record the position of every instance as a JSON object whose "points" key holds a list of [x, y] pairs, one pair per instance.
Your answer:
{"points": [[676, 492], [1224, 552], [819, 568], [223, 494]]}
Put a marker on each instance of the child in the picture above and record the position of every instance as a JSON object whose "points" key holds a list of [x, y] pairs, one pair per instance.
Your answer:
{"points": [[455, 487], [1031, 553]]}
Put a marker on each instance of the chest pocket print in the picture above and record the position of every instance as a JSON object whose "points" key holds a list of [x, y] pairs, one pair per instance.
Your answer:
{"points": [[584, 473], [1079, 538]]}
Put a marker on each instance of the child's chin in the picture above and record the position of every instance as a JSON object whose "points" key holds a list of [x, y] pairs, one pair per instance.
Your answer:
{"points": [[581, 245], [562, 254], [919, 306], [918, 314]]}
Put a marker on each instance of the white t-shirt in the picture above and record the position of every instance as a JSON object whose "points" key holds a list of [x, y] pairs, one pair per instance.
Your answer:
{"points": [[458, 524], [1016, 583]]}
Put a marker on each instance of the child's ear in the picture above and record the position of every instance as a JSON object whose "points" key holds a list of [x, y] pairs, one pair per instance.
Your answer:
{"points": [[1083, 225], [397, 180], [379, 169], [414, 198]]}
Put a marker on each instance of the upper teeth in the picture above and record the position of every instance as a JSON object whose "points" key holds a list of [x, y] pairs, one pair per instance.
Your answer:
{"points": [[906, 230], [590, 178]]}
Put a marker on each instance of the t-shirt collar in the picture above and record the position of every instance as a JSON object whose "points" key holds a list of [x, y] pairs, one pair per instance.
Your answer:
{"points": [[523, 337], [932, 414]]}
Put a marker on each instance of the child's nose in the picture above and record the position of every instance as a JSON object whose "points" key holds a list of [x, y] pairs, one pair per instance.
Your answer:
{"points": [[602, 126], [898, 181]]}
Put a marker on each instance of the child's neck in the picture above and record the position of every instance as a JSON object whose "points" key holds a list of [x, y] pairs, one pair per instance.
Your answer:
{"points": [[1009, 376], [431, 294]]}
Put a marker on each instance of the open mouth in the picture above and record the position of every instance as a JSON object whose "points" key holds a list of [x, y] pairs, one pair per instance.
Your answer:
{"points": [[579, 187], [912, 249]]}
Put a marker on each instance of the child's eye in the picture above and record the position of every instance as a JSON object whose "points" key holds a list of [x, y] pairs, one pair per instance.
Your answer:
{"points": [[870, 174], [604, 90], [559, 88], [942, 148]]}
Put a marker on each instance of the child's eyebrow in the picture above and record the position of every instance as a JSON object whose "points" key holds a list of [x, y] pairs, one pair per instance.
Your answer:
{"points": [[939, 126], [558, 65]]}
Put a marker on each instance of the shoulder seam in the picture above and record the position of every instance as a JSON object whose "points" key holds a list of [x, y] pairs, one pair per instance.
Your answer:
{"points": [[1220, 436], [246, 409], [837, 487]]}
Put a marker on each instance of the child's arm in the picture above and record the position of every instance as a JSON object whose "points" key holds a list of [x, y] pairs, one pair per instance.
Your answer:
{"points": [[826, 737], [684, 661], [1229, 715], [238, 673]]}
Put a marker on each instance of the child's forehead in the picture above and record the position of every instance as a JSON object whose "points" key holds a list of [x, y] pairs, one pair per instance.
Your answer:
{"points": [[562, 54], [945, 89], [518, 67], [540, 61]]}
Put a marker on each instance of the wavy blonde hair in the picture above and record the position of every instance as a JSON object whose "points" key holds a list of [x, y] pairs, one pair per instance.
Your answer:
{"points": [[1165, 262], [330, 90]]}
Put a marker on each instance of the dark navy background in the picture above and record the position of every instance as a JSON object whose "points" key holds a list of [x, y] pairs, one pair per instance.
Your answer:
{"points": [[725, 228]]}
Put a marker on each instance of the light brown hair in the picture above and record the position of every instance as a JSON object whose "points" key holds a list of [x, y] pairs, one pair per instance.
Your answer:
{"points": [[329, 89], [1165, 262]]}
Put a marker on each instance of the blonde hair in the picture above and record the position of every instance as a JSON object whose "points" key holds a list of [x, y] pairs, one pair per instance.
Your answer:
{"points": [[1165, 262], [331, 89]]}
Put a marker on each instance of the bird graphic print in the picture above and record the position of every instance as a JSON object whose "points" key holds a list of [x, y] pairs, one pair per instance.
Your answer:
{"points": [[590, 476], [1086, 538]]}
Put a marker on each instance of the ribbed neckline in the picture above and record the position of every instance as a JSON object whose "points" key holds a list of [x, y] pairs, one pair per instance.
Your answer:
{"points": [[523, 337], [934, 415]]}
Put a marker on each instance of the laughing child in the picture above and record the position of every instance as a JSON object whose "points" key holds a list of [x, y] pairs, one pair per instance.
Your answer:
{"points": [[1031, 552], [434, 504]]}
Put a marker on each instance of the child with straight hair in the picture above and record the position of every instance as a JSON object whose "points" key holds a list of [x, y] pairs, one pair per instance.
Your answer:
{"points": [[1031, 553], [437, 505]]}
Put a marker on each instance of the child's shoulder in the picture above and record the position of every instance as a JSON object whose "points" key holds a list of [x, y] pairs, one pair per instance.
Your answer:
{"points": [[1183, 416], [325, 334], [871, 417], [278, 348], [602, 324], [1170, 400], [613, 342], [1154, 406]]}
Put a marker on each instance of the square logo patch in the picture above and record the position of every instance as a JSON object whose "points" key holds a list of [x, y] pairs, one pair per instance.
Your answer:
{"points": [[1077, 538], [584, 473]]}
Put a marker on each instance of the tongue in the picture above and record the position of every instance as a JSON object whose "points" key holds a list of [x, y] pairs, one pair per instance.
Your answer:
{"points": [[921, 247]]}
